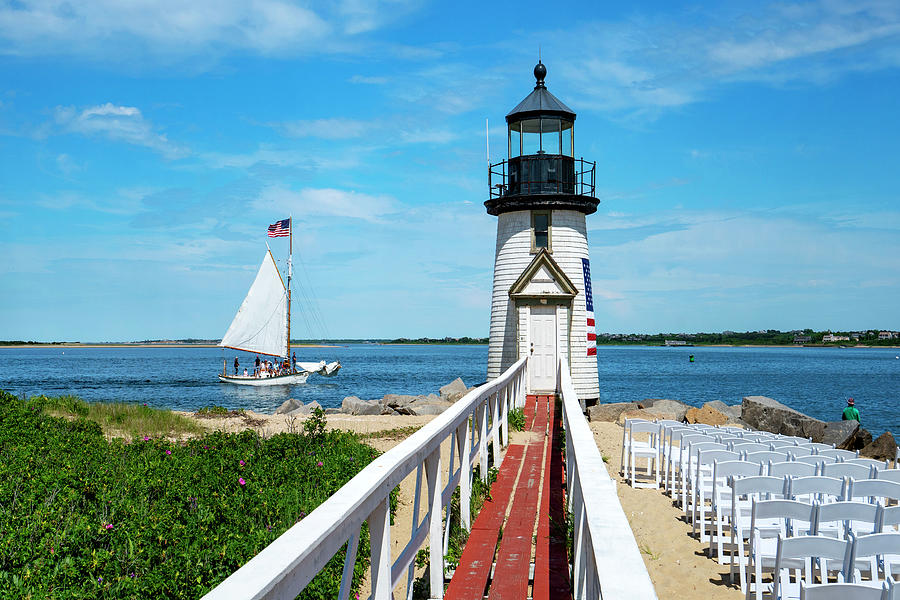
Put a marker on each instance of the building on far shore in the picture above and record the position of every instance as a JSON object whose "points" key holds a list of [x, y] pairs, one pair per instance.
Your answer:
{"points": [[542, 305]]}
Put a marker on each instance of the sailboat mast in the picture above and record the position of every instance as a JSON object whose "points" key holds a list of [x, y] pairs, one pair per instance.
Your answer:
{"points": [[290, 274]]}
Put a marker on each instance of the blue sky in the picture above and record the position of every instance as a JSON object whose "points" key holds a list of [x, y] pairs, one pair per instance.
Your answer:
{"points": [[747, 161]]}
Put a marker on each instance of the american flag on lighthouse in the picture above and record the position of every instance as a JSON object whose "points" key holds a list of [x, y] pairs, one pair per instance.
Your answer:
{"points": [[589, 306], [280, 228]]}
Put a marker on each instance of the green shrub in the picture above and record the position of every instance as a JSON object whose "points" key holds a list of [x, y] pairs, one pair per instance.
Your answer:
{"points": [[516, 419], [83, 517]]}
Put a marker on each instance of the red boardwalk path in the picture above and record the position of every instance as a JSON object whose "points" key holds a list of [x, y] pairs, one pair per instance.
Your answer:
{"points": [[530, 488]]}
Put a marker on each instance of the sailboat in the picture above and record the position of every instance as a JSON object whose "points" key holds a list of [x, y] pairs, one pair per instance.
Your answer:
{"points": [[263, 325]]}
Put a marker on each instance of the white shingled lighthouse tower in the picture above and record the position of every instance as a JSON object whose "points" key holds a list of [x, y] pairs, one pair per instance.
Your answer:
{"points": [[542, 304]]}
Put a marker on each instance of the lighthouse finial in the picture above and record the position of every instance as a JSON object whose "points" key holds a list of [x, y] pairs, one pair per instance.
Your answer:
{"points": [[540, 72]]}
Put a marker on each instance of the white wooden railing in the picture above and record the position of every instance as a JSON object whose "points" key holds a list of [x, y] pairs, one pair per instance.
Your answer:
{"points": [[607, 562], [289, 563]]}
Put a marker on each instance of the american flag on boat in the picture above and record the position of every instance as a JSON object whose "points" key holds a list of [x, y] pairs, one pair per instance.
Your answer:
{"points": [[589, 307], [280, 228]]}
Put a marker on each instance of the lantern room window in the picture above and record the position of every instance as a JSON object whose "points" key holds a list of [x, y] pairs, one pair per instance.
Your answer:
{"points": [[540, 230]]}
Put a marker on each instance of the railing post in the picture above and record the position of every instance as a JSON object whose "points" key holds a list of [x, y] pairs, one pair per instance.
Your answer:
{"points": [[349, 562], [435, 529], [380, 537], [464, 441], [482, 439], [504, 417], [495, 427]]}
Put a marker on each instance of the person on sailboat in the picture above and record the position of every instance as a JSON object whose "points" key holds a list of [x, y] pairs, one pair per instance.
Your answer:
{"points": [[294, 361], [235, 365], [257, 365]]}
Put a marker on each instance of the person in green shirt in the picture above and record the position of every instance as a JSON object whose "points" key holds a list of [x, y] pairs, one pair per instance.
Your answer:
{"points": [[850, 413]]}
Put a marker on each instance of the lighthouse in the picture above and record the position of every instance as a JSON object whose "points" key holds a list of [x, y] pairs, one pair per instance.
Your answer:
{"points": [[542, 304]]}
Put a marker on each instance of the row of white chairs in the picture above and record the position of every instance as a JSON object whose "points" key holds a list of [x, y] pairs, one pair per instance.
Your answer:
{"points": [[854, 503], [704, 469], [777, 527]]}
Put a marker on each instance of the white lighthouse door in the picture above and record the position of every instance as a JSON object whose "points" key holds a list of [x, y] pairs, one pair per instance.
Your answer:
{"points": [[543, 349]]}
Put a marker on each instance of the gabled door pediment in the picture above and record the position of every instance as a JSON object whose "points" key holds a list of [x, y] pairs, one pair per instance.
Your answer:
{"points": [[543, 278]]}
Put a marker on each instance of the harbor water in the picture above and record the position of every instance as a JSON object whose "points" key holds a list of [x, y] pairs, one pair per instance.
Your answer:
{"points": [[816, 381]]}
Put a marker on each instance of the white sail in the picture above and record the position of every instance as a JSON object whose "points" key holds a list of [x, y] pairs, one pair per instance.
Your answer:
{"points": [[261, 322]]}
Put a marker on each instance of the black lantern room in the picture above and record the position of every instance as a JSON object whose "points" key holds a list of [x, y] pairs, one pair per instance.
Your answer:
{"points": [[541, 172]]}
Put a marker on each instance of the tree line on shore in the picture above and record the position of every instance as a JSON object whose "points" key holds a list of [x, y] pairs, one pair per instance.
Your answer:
{"points": [[769, 337]]}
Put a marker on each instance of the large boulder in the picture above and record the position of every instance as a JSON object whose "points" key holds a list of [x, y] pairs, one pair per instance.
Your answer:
{"points": [[454, 390], [356, 406], [610, 412], [883, 448], [706, 415], [397, 401], [666, 409], [650, 414], [430, 408], [304, 410], [733, 412], [846, 435], [767, 414], [287, 406]]}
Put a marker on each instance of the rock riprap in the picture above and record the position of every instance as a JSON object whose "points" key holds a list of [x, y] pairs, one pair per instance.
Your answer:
{"points": [[883, 448], [761, 412]]}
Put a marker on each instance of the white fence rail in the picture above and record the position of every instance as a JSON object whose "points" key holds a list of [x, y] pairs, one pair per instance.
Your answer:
{"points": [[607, 562], [289, 563]]}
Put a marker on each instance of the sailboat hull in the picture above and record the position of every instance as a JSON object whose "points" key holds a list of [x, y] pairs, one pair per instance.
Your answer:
{"points": [[290, 379]]}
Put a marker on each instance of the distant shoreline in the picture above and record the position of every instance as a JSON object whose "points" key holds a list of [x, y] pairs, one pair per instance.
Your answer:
{"points": [[125, 345]]}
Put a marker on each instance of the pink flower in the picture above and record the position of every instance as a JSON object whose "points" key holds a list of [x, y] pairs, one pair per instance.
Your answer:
{"points": [[240, 462], [146, 438], [241, 480], [319, 464], [108, 526], [168, 452]]}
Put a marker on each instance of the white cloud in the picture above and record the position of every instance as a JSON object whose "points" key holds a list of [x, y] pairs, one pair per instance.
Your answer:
{"points": [[647, 65], [368, 80], [111, 30], [329, 129], [325, 202], [117, 123]]}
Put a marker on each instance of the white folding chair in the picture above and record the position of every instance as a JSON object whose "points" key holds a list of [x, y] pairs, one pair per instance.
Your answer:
{"points": [[744, 493], [839, 454], [702, 485], [873, 554], [800, 451], [789, 514], [816, 489], [626, 439], [723, 472], [817, 446], [748, 447], [815, 460], [783, 443], [804, 554], [669, 434], [843, 591], [677, 454], [648, 449], [793, 468], [840, 519], [889, 474], [765, 457], [687, 466], [869, 462], [845, 469], [875, 490], [890, 519]]}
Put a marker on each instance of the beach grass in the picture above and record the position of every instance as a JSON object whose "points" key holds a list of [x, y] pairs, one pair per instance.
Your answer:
{"points": [[121, 419], [85, 516]]}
